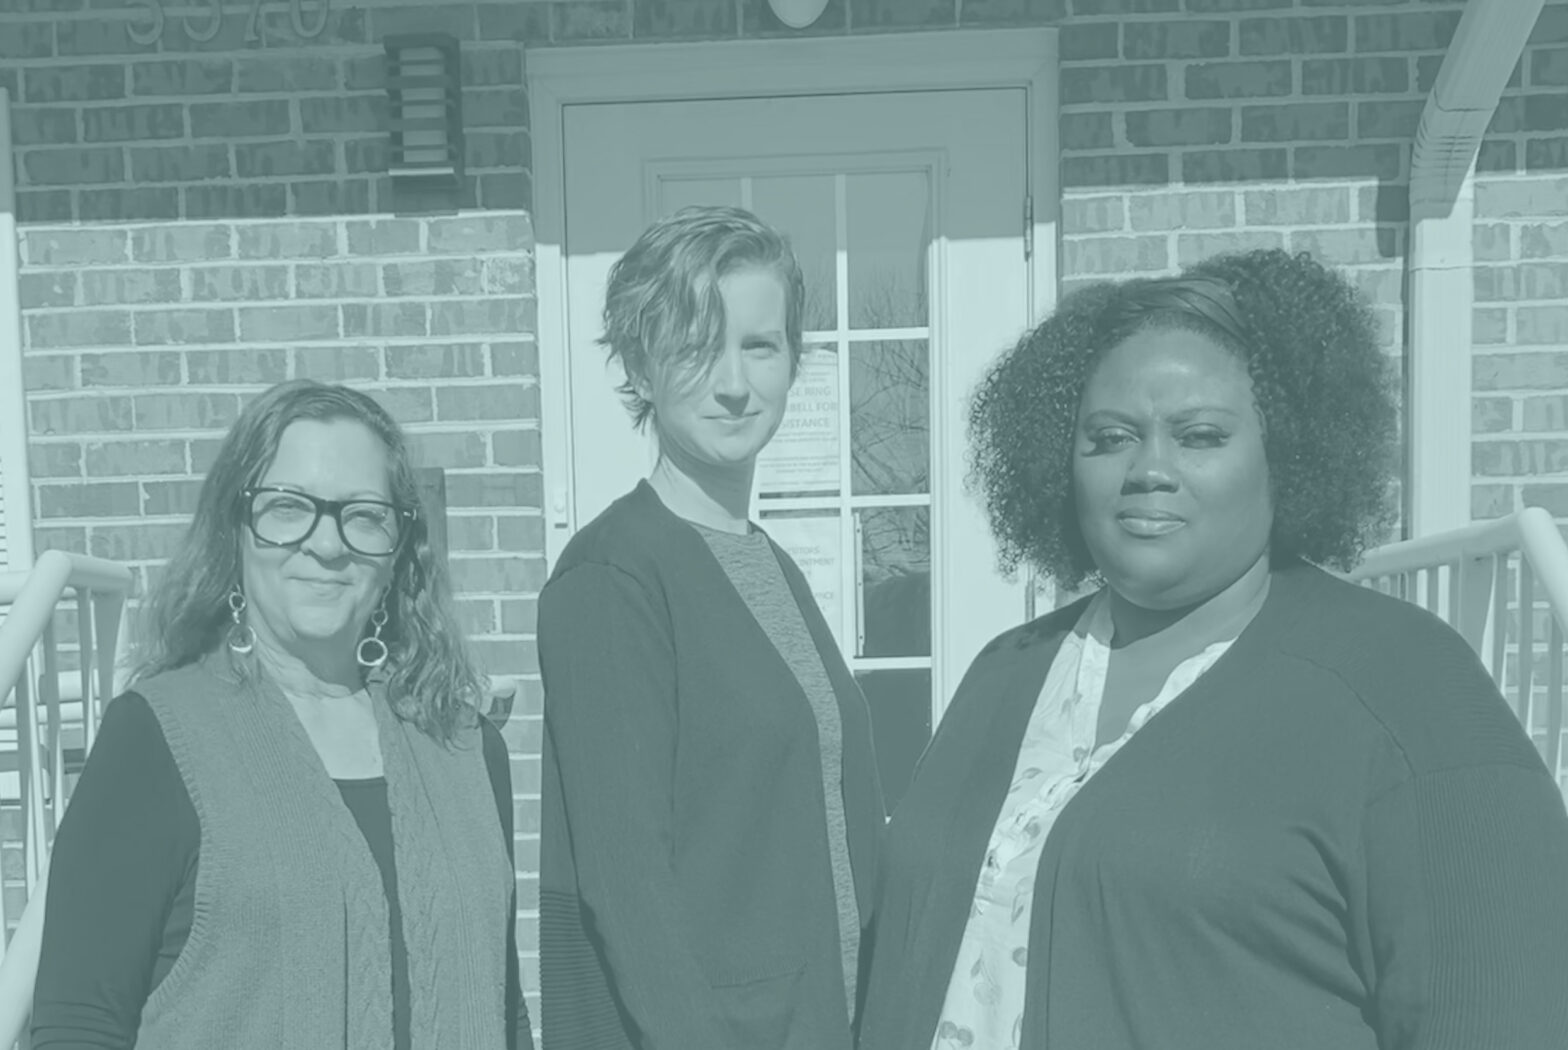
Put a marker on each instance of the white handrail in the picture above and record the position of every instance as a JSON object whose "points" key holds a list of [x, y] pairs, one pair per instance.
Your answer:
{"points": [[33, 596]]}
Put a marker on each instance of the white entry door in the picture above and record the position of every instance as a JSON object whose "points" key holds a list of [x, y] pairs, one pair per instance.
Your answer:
{"points": [[906, 211]]}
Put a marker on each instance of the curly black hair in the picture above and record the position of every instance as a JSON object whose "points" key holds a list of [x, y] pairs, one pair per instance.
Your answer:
{"points": [[1322, 384]]}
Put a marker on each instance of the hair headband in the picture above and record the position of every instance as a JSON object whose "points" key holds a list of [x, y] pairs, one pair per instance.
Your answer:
{"points": [[1205, 298]]}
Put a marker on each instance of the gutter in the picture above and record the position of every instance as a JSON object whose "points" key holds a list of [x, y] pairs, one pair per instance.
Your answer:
{"points": [[1440, 262]]}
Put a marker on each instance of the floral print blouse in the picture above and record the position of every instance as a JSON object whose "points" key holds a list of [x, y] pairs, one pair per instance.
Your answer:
{"points": [[984, 1007]]}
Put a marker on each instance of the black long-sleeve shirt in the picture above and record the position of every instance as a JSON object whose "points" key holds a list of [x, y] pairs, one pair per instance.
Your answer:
{"points": [[122, 888]]}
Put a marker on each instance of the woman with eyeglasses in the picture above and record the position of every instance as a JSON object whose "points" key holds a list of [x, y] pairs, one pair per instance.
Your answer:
{"points": [[295, 829]]}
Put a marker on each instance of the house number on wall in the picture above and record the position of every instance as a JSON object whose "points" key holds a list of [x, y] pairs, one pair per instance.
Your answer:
{"points": [[202, 30]]}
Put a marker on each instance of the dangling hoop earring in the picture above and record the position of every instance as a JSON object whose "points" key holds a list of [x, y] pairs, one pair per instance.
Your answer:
{"points": [[241, 638], [378, 648]]}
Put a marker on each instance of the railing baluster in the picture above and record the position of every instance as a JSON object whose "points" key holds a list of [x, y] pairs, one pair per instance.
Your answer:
{"points": [[1554, 702], [1526, 675], [49, 696], [1500, 620]]}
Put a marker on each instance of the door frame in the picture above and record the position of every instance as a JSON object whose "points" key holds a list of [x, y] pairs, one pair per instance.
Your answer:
{"points": [[732, 69]]}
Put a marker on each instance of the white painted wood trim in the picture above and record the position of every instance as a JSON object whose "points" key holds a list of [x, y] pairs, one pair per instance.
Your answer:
{"points": [[953, 59], [16, 538]]}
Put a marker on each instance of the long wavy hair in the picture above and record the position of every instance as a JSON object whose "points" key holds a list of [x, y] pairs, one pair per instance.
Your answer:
{"points": [[430, 678]]}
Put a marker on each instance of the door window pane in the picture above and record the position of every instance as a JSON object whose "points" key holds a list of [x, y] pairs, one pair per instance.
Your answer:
{"points": [[813, 539], [900, 703], [895, 581], [888, 217], [803, 457], [802, 207], [890, 417], [678, 193]]}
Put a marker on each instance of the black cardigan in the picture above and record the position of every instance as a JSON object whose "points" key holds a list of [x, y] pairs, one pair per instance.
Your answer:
{"points": [[686, 893], [1338, 839]]}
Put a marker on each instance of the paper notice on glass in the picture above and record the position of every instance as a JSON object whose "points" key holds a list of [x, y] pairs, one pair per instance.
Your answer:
{"points": [[815, 545], [802, 458]]}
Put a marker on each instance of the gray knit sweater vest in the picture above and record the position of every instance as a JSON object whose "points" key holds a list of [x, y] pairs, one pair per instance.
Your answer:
{"points": [[289, 946]]}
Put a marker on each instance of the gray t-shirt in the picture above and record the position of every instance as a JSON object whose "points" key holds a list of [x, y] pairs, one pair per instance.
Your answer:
{"points": [[754, 570]]}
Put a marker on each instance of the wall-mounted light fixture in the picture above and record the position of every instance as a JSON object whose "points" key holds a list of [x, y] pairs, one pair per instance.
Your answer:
{"points": [[798, 14], [425, 85]]}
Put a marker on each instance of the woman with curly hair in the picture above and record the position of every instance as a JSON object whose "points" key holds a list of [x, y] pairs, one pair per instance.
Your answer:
{"points": [[295, 829], [1226, 801]]}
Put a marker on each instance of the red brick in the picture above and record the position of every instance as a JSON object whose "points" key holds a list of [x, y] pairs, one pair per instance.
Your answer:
{"points": [[92, 83], [133, 368], [180, 163], [516, 448], [287, 324], [92, 414], [332, 114], [1114, 255], [460, 360], [169, 497], [70, 167], [434, 277], [73, 247], [515, 274], [153, 541], [1295, 122], [61, 538], [1491, 242], [1179, 211], [508, 576], [1388, 120], [1206, 80], [244, 201], [1078, 131], [288, 240], [476, 616], [183, 77], [1297, 207], [89, 500], [1489, 327], [1171, 40], [521, 615], [1093, 215], [1546, 413], [1337, 162], [1088, 41], [1233, 165], [470, 533], [42, 125], [93, 37], [1406, 31], [1542, 326], [133, 123], [48, 372], [1552, 26], [289, 157], [337, 364], [54, 459], [591, 20], [1531, 280], [1491, 415], [183, 243], [230, 283], [1530, 198], [383, 237], [482, 233], [1318, 34], [79, 328], [1544, 240], [1195, 247], [135, 458], [1097, 85], [493, 149], [229, 367], [235, 120], [406, 404], [1179, 127], [498, 315], [1549, 67], [497, 108], [1491, 501], [1515, 458], [376, 320], [1545, 154], [141, 285], [450, 450], [50, 288], [487, 401], [1116, 169], [186, 411], [27, 40], [1553, 499], [176, 327], [128, 205], [514, 359], [290, 73], [1355, 76], [525, 22], [336, 280], [1350, 247], [1535, 370], [43, 206]]}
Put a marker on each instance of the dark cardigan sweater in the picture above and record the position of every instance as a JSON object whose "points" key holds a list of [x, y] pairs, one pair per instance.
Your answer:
{"points": [[686, 892], [1338, 839]]}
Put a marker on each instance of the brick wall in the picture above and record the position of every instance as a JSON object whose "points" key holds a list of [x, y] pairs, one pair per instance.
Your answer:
{"points": [[210, 212]]}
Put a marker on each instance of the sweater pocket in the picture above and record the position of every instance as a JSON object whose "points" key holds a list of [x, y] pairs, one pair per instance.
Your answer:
{"points": [[759, 1000]]}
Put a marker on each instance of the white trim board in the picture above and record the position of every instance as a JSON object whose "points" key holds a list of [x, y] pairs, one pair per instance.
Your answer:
{"points": [[946, 60]]}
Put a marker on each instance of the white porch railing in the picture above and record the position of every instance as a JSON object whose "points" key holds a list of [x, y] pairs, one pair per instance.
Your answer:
{"points": [[1503, 585]]}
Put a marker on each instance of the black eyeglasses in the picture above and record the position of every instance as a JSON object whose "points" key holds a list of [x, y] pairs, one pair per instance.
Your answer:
{"points": [[281, 517]]}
